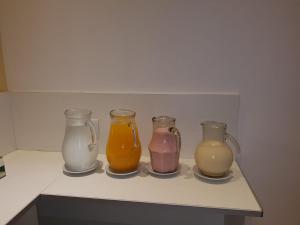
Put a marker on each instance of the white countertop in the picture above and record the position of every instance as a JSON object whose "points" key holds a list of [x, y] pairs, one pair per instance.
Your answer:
{"points": [[31, 173], [28, 173]]}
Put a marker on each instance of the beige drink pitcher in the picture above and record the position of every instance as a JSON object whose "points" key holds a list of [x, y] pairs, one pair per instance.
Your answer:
{"points": [[213, 156]]}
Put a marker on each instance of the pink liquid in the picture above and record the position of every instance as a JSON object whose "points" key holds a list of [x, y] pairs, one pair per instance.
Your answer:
{"points": [[163, 151]]}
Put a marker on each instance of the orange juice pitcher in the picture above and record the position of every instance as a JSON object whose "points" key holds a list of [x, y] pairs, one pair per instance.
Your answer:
{"points": [[123, 149]]}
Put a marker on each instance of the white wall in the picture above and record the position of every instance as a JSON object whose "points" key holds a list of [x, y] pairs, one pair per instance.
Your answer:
{"points": [[39, 122], [176, 46], [7, 137]]}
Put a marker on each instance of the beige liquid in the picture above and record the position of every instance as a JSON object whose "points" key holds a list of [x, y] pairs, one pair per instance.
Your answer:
{"points": [[213, 158]]}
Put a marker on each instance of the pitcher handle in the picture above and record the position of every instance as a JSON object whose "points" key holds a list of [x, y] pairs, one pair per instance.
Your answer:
{"points": [[177, 134], [133, 129], [234, 142], [93, 132]]}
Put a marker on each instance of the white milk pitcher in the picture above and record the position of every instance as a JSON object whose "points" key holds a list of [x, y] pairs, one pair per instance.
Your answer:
{"points": [[80, 145]]}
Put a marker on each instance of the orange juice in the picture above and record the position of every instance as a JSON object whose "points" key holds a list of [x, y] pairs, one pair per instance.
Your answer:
{"points": [[123, 149]]}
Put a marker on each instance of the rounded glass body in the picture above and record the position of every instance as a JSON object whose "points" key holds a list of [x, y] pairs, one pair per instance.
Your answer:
{"points": [[213, 156], [123, 149], [79, 148], [164, 146]]}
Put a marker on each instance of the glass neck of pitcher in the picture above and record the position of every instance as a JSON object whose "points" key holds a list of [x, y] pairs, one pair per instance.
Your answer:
{"points": [[122, 116], [163, 122], [77, 117], [214, 131]]}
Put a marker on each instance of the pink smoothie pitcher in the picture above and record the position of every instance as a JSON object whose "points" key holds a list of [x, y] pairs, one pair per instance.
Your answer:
{"points": [[165, 145]]}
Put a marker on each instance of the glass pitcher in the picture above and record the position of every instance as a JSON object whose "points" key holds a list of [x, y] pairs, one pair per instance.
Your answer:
{"points": [[165, 145], [213, 156], [80, 143], [123, 149]]}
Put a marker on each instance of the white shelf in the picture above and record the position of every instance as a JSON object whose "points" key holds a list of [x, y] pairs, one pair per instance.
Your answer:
{"points": [[31, 173]]}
